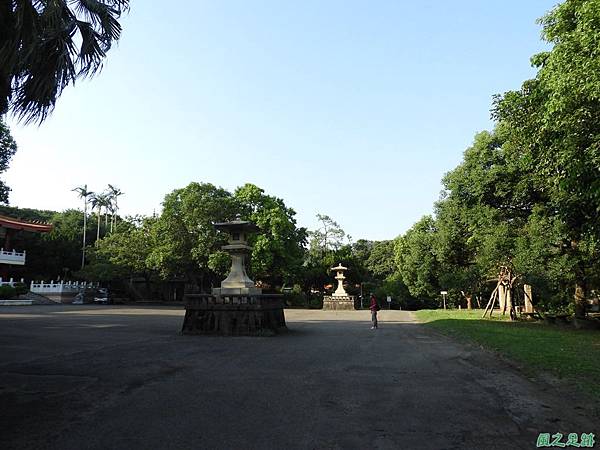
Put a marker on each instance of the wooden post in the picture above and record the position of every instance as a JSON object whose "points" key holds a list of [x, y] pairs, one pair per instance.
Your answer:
{"points": [[502, 297], [490, 305]]}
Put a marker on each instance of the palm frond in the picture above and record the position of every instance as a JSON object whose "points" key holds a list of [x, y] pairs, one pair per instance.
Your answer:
{"points": [[46, 45]]}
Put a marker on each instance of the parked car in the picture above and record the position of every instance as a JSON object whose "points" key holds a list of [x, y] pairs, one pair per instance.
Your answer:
{"points": [[101, 296]]}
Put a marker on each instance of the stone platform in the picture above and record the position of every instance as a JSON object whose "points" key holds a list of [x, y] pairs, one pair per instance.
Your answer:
{"points": [[338, 302], [234, 315]]}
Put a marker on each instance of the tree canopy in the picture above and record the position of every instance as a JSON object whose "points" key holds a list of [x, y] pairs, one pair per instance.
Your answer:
{"points": [[527, 194]]}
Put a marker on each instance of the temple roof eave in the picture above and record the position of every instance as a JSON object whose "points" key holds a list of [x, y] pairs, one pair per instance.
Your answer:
{"points": [[18, 224]]}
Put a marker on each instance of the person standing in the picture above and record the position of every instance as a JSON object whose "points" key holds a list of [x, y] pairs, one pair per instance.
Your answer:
{"points": [[374, 307]]}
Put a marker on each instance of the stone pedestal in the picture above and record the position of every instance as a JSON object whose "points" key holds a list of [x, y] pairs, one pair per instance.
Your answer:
{"points": [[337, 302], [237, 308], [234, 314], [340, 300]]}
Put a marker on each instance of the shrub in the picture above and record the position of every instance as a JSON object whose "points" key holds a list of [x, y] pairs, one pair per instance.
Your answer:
{"points": [[7, 292], [21, 288], [316, 303], [294, 300]]}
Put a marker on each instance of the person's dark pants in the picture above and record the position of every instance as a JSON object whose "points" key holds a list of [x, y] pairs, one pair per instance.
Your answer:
{"points": [[374, 318]]}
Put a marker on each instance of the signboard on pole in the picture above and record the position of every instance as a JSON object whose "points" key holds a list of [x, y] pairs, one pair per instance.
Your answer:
{"points": [[444, 293]]}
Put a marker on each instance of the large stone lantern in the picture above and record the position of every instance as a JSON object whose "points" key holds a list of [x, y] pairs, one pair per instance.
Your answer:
{"points": [[238, 281], [340, 298], [237, 307]]}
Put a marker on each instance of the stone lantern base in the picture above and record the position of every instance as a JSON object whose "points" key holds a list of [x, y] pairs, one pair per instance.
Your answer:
{"points": [[336, 302], [234, 314]]}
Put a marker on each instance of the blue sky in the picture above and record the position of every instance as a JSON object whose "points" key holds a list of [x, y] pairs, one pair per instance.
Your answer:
{"points": [[354, 109]]}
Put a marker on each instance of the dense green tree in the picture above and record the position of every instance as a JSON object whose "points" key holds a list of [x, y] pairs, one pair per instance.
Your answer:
{"points": [[553, 127], [416, 260], [381, 261], [186, 244], [278, 250], [126, 253], [8, 147], [184, 237], [45, 46], [479, 216]]}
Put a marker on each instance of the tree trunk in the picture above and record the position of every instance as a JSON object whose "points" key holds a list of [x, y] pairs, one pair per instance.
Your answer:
{"points": [[201, 283], [99, 219], [149, 291], [579, 300], [84, 229], [116, 211], [528, 298], [502, 298]]}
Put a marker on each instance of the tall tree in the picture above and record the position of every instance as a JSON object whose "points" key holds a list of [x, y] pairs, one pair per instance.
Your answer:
{"points": [[381, 259], [187, 244], [128, 250], [329, 236], [84, 193], [99, 201], [416, 260], [278, 249], [554, 128], [325, 249], [47, 45], [8, 148], [115, 193]]}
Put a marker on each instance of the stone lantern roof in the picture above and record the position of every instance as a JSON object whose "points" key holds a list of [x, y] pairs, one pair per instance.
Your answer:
{"points": [[237, 225], [339, 267]]}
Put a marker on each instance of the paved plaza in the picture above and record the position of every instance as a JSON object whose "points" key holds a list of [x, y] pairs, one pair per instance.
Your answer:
{"points": [[107, 377]]}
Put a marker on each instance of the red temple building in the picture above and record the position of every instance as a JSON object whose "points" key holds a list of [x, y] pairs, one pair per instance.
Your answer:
{"points": [[9, 228]]}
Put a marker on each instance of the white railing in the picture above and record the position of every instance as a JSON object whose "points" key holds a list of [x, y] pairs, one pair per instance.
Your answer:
{"points": [[60, 287], [14, 257], [11, 282]]}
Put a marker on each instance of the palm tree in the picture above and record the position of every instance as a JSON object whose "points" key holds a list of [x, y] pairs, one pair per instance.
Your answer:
{"points": [[84, 193], [115, 193], [99, 201], [112, 208], [108, 206], [45, 46]]}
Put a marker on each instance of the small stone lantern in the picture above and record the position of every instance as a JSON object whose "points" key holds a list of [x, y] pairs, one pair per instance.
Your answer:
{"points": [[340, 291]]}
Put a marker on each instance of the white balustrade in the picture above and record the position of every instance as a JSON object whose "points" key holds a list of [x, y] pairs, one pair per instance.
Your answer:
{"points": [[14, 257], [11, 282], [61, 287]]}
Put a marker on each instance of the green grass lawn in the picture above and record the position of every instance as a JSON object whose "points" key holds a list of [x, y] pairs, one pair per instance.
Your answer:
{"points": [[571, 354]]}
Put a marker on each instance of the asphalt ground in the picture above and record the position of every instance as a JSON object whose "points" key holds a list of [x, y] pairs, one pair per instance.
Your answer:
{"points": [[108, 377]]}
